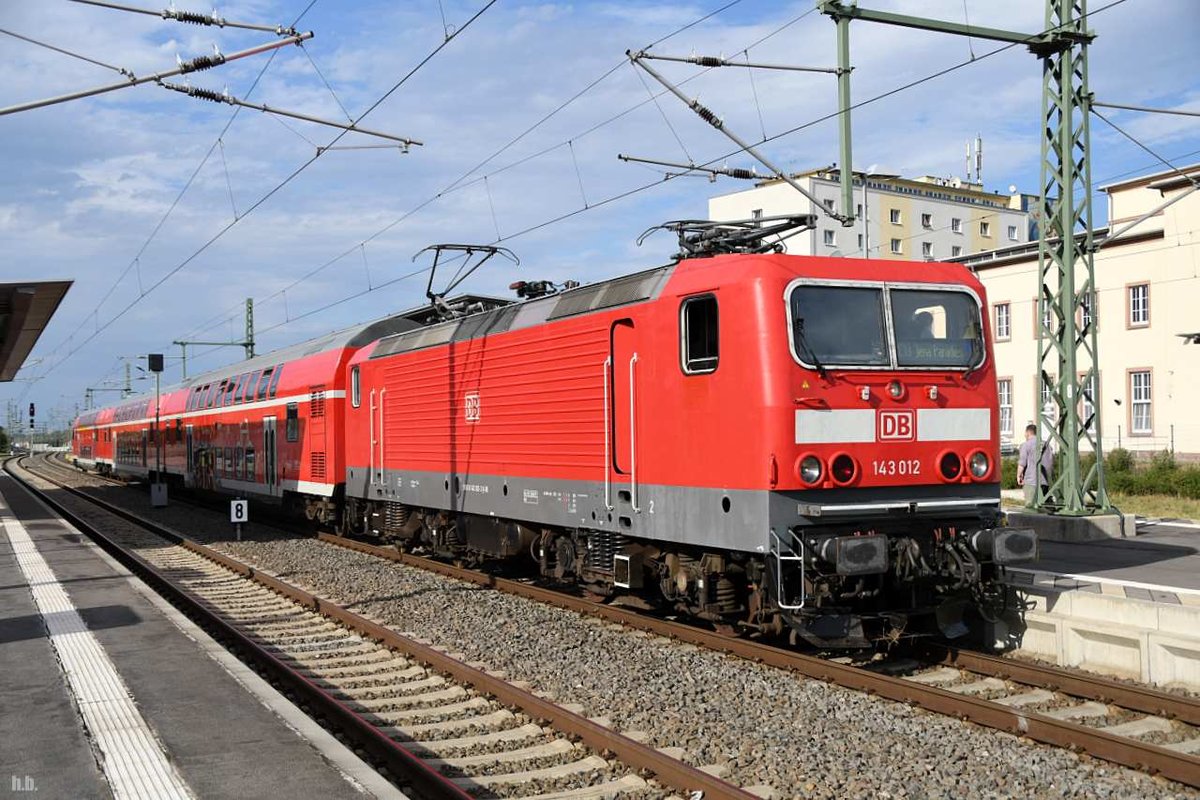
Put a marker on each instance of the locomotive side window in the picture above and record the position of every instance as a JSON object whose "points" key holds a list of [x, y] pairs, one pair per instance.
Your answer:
{"points": [[355, 387], [841, 325], [292, 426], [936, 328], [699, 339]]}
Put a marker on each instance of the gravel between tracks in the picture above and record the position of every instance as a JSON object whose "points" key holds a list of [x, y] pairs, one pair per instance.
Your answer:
{"points": [[802, 737]]}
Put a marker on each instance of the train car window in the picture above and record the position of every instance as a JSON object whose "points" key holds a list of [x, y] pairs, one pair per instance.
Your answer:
{"points": [[292, 427], [178, 430], [842, 325], [250, 474], [264, 384], [355, 387], [229, 462], [209, 391], [233, 390], [699, 334], [937, 328], [239, 464], [275, 380], [240, 389], [252, 386]]}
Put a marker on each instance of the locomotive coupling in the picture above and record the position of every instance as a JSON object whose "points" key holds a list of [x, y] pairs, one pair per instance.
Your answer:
{"points": [[1005, 545], [855, 555]]}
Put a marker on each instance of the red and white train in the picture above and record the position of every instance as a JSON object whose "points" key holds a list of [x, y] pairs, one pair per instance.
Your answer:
{"points": [[772, 441]]}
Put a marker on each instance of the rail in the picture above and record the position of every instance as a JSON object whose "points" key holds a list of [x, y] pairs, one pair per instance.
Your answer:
{"points": [[666, 769], [1177, 766]]}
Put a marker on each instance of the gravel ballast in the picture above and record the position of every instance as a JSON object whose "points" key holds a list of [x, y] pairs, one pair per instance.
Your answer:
{"points": [[804, 738]]}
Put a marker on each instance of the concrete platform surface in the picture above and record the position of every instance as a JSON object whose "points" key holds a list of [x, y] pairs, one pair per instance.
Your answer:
{"points": [[1160, 564], [110, 692]]}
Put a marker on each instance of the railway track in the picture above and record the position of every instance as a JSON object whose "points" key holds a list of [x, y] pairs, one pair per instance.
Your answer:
{"points": [[1128, 724], [438, 725]]}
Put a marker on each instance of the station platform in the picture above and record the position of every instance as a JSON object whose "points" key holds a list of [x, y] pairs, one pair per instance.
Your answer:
{"points": [[108, 691], [1128, 607], [1161, 564]]}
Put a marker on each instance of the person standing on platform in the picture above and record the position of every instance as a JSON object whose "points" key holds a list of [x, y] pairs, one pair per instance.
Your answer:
{"points": [[1026, 472]]}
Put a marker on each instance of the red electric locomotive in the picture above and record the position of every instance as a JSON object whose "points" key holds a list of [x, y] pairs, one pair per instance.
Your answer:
{"points": [[768, 440]]}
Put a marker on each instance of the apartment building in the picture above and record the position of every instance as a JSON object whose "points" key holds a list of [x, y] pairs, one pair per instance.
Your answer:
{"points": [[926, 218]]}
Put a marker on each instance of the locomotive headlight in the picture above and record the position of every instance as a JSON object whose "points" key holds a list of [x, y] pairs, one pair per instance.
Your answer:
{"points": [[810, 469], [979, 464], [895, 389]]}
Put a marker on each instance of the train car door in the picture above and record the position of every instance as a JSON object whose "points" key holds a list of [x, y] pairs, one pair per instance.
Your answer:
{"points": [[270, 474], [622, 409]]}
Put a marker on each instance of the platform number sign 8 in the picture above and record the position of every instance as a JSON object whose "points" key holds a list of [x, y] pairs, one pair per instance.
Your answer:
{"points": [[239, 511]]}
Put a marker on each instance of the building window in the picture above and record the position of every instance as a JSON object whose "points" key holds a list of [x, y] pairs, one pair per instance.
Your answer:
{"points": [[896, 248], [699, 334], [985, 229], [1046, 392], [829, 241], [1139, 305], [894, 216], [355, 387], [955, 225], [1003, 321], [1140, 408], [858, 210], [955, 251], [1004, 393], [756, 215], [1087, 403], [927, 220], [1087, 315], [829, 204], [860, 243], [927, 249], [1012, 233]]}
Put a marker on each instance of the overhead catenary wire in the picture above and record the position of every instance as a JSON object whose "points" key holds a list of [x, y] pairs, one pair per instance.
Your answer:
{"points": [[225, 97], [192, 17], [462, 181], [183, 191], [66, 52], [638, 189], [279, 186]]}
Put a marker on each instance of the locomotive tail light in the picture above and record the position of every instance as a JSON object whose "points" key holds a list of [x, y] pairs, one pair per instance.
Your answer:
{"points": [[856, 555], [895, 389], [843, 469], [932, 392], [950, 465], [979, 464], [1005, 545], [810, 469], [864, 393]]}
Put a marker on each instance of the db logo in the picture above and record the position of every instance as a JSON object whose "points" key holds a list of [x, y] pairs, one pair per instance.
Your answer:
{"points": [[898, 426]]}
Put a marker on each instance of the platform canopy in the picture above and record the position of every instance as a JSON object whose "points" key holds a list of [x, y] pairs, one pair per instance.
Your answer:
{"points": [[25, 308]]}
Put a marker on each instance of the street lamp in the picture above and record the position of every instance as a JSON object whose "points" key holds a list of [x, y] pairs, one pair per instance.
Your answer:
{"points": [[158, 489]]}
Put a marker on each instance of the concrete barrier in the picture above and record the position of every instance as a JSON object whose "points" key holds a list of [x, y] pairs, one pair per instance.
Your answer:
{"points": [[1096, 626]]}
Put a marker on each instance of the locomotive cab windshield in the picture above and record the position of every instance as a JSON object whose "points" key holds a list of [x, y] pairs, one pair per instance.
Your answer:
{"points": [[885, 326]]}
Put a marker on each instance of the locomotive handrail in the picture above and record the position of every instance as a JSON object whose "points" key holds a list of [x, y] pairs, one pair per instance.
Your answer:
{"points": [[607, 441], [371, 434], [633, 484], [776, 549], [382, 392]]}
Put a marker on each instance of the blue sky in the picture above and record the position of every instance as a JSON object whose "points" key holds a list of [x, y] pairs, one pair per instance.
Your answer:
{"points": [[87, 182]]}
